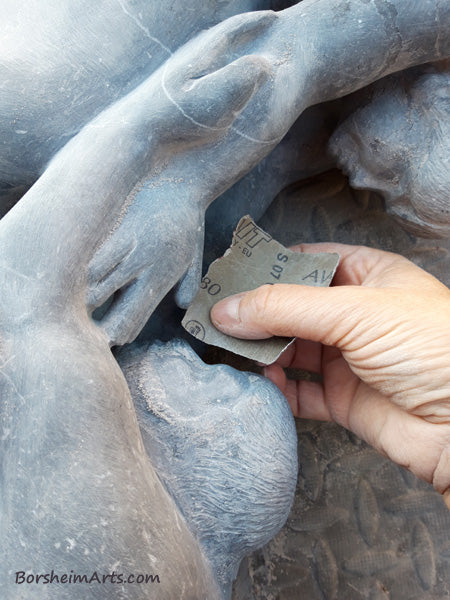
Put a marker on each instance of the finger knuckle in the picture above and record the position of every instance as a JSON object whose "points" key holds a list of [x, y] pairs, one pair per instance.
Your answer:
{"points": [[263, 300]]}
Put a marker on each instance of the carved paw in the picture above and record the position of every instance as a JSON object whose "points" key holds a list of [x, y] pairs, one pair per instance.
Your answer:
{"points": [[157, 244]]}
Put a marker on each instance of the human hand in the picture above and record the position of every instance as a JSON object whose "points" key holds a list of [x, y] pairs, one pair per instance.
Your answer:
{"points": [[380, 338]]}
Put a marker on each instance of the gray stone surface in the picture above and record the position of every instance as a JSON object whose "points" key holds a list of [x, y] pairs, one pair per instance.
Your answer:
{"points": [[397, 141], [224, 444]]}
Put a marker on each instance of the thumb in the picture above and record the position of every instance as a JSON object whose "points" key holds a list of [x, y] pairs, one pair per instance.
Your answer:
{"points": [[332, 316]]}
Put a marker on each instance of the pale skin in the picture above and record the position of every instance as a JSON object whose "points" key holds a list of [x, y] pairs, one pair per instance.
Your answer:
{"points": [[380, 338]]}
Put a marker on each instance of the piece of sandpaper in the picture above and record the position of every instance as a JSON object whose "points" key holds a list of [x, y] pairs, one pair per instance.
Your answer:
{"points": [[253, 259]]}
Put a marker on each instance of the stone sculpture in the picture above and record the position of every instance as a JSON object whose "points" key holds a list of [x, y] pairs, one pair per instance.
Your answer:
{"points": [[378, 125], [109, 137], [397, 141], [67, 435], [233, 494]]}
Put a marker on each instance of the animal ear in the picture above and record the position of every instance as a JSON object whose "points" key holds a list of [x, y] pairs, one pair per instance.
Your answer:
{"points": [[215, 99]]}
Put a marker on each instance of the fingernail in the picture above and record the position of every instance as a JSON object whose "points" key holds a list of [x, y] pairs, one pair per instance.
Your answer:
{"points": [[225, 314]]}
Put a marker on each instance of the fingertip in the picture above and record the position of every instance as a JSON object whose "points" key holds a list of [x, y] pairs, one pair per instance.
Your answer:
{"points": [[276, 375], [307, 400], [228, 316], [286, 357], [446, 497], [225, 314]]}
